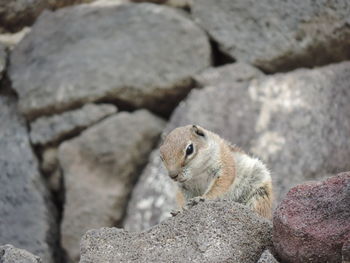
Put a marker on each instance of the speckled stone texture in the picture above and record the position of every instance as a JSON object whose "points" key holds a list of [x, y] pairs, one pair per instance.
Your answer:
{"points": [[208, 232], [10, 254], [312, 222]]}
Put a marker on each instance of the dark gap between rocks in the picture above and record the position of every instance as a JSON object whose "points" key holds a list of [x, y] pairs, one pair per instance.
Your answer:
{"points": [[218, 57], [58, 253], [5, 83]]}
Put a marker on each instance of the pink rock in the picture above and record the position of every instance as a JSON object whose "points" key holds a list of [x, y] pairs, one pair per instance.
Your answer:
{"points": [[313, 221]]}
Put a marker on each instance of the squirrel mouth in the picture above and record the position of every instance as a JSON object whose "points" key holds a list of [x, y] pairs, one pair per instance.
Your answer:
{"points": [[181, 180]]}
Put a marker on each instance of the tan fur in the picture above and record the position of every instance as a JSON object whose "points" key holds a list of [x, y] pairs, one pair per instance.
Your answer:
{"points": [[216, 169]]}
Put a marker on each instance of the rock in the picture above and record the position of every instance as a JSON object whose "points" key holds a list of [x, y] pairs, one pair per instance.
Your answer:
{"points": [[3, 58], [16, 14], [10, 254], [100, 167], [267, 257], [298, 123], [51, 130], [153, 197], [209, 232], [224, 75], [312, 222], [126, 54], [28, 218], [12, 39], [314, 142], [278, 35]]}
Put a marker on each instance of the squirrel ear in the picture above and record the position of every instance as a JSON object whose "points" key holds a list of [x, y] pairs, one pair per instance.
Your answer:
{"points": [[198, 130]]}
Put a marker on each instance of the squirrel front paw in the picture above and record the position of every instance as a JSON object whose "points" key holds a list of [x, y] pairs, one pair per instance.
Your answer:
{"points": [[194, 201]]}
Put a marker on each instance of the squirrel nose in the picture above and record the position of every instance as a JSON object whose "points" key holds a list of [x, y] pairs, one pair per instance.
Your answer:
{"points": [[173, 174]]}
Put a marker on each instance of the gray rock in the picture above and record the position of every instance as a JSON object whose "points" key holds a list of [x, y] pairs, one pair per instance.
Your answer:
{"points": [[209, 232], [302, 130], [51, 130], [27, 215], [267, 257], [3, 58], [224, 75], [100, 167], [12, 39], [298, 123], [278, 35], [10, 254], [143, 55]]}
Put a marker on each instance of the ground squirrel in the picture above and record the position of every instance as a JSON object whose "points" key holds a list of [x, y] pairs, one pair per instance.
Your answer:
{"points": [[206, 166]]}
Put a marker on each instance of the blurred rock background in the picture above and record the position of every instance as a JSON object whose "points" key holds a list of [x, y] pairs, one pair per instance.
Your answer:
{"points": [[88, 88]]}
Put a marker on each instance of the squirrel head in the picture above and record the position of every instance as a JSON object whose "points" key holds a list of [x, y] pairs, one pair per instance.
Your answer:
{"points": [[182, 149]]}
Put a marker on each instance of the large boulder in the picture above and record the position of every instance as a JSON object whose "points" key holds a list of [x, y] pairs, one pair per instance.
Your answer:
{"points": [[28, 218], [52, 129], [141, 55], [209, 232], [312, 223], [100, 167], [298, 123], [154, 194], [278, 35], [10, 254]]}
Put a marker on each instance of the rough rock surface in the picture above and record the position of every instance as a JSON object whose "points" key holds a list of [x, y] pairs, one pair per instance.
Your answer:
{"points": [[267, 257], [52, 129], [27, 217], [346, 251], [10, 254], [298, 123], [278, 35], [3, 58], [209, 232], [100, 167], [140, 64], [154, 194], [312, 222]]}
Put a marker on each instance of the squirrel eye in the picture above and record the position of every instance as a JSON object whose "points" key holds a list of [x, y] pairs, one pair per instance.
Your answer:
{"points": [[189, 149]]}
